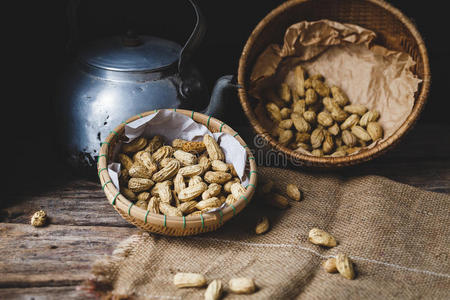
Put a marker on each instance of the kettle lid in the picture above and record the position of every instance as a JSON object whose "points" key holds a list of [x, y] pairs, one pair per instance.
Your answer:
{"points": [[131, 53]]}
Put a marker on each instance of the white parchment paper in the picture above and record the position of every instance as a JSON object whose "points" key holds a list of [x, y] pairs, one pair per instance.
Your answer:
{"points": [[172, 125]]}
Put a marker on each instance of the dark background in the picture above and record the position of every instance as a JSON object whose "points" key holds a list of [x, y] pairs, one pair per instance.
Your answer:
{"points": [[36, 45]]}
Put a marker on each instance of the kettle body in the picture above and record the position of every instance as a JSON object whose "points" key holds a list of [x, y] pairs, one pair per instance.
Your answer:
{"points": [[92, 101], [121, 76]]}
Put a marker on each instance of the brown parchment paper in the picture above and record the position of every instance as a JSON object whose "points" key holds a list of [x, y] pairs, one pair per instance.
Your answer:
{"points": [[344, 54]]}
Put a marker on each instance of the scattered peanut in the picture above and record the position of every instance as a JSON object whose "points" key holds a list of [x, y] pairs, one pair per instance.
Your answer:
{"points": [[214, 290], [262, 226], [277, 200], [183, 280], [322, 238], [345, 266], [242, 285], [293, 192], [39, 218], [330, 265]]}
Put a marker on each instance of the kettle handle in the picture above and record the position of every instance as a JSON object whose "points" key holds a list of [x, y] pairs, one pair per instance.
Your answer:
{"points": [[194, 40], [224, 103]]}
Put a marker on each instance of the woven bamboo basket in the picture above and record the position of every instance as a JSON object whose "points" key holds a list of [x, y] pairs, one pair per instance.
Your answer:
{"points": [[169, 225], [394, 31]]}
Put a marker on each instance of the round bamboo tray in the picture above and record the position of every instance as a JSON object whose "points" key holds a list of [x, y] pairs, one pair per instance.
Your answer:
{"points": [[168, 225], [394, 31]]}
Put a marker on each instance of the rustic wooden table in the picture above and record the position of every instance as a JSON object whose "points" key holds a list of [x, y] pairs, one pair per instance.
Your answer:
{"points": [[51, 262]]}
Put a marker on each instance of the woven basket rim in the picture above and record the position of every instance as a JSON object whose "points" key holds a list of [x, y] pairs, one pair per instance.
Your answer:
{"points": [[362, 156], [123, 205]]}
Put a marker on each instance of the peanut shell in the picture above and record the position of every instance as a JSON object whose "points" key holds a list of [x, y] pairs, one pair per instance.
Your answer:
{"points": [[192, 170], [262, 226], [350, 121], [125, 160], [329, 265], [154, 144], [319, 237], [193, 147], [274, 112], [135, 145], [277, 200], [285, 92], [162, 152], [370, 116], [139, 171], [213, 149], [153, 205], [317, 137], [324, 119], [285, 113], [140, 184], [375, 130], [218, 165], [349, 138], [300, 123], [183, 280], [39, 218], [208, 203], [186, 158], [310, 116], [217, 177], [168, 210], [320, 88], [285, 137], [214, 290], [213, 190], [356, 109], [286, 124], [361, 133], [299, 107], [192, 192], [237, 190], [241, 285], [293, 192], [299, 81], [339, 96], [345, 266], [310, 96], [188, 207]]}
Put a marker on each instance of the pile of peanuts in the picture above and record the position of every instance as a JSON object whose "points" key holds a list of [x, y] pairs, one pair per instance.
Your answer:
{"points": [[185, 178], [311, 116]]}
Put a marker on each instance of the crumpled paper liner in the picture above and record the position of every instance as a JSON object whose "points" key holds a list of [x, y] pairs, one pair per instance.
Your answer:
{"points": [[369, 74]]}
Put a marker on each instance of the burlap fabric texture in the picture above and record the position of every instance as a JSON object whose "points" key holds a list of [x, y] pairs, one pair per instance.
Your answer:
{"points": [[397, 236]]}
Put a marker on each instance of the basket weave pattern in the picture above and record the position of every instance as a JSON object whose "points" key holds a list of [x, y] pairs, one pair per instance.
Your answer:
{"points": [[394, 31], [168, 225]]}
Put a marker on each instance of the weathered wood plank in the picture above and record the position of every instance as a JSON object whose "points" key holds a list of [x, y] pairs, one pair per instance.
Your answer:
{"points": [[77, 202], [82, 202], [47, 293], [55, 255]]}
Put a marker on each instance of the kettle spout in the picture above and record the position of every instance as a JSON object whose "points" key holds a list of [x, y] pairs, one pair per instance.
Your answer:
{"points": [[224, 102]]}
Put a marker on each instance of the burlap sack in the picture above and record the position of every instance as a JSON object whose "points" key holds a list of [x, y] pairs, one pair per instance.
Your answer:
{"points": [[398, 237]]}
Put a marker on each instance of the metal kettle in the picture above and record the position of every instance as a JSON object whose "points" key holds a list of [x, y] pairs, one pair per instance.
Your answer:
{"points": [[118, 77]]}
